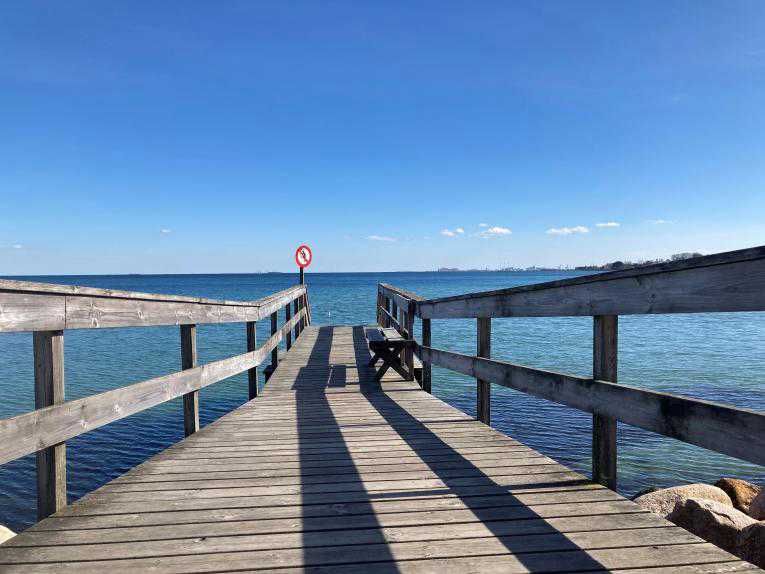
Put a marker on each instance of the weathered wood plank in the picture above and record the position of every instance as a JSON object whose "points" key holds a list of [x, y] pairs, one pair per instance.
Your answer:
{"points": [[31, 312], [722, 428], [49, 390], [733, 281], [57, 307], [427, 369]]}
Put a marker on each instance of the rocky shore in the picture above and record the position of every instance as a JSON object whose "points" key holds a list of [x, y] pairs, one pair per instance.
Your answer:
{"points": [[729, 514]]}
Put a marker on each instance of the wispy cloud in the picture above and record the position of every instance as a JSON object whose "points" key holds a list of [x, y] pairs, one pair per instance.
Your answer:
{"points": [[658, 221], [17, 246], [165, 231], [459, 230], [381, 238], [567, 230], [608, 224], [483, 225], [452, 233], [495, 231]]}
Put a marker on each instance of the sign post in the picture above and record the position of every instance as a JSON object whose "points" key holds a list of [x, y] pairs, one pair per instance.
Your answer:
{"points": [[303, 258]]}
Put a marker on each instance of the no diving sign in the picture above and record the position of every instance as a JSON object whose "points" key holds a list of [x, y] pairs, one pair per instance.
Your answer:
{"points": [[303, 256]]}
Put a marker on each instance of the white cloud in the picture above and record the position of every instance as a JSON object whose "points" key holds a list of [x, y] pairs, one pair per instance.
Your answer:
{"points": [[658, 221], [567, 230], [17, 246], [495, 231], [608, 224], [459, 230], [483, 225], [448, 233], [165, 231], [381, 238]]}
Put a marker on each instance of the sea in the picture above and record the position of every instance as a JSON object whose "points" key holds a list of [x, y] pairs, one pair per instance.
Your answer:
{"points": [[718, 357]]}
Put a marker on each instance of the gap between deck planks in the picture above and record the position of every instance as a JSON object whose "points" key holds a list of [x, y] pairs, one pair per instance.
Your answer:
{"points": [[328, 471]]}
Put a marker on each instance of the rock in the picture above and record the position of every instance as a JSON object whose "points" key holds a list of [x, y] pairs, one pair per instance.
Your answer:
{"points": [[740, 491], [751, 544], [664, 501], [640, 493], [714, 521], [5, 533], [757, 506]]}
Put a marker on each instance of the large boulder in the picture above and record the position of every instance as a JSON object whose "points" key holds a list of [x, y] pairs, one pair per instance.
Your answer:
{"points": [[740, 491], [751, 544], [714, 521], [757, 506], [5, 533], [664, 501]]}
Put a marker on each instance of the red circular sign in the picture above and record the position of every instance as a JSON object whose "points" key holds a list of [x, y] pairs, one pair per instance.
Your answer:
{"points": [[303, 256]]}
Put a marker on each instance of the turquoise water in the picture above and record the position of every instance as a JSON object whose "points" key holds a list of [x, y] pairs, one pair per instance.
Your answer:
{"points": [[717, 357]]}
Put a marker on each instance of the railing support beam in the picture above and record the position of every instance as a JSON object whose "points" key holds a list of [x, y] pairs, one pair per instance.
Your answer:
{"points": [[287, 317], [49, 390], [426, 366], [252, 344], [483, 406], [189, 361], [604, 368], [275, 351]]}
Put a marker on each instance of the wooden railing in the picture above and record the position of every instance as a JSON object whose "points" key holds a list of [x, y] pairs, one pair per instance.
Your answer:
{"points": [[48, 310], [725, 282]]}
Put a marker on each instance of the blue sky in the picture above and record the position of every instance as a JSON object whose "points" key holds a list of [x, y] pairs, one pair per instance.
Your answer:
{"points": [[217, 136]]}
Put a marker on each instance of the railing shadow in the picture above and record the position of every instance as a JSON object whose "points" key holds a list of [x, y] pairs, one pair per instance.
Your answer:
{"points": [[403, 423], [310, 384]]}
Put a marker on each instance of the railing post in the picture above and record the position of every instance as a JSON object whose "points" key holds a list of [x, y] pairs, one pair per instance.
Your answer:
{"points": [[483, 407], [189, 361], [386, 318], [252, 374], [287, 317], [409, 326], [378, 313], [426, 366], [604, 368], [275, 351], [295, 309], [393, 310], [49, 390]]}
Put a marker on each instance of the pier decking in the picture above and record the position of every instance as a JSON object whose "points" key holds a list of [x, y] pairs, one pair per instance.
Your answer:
{"points": [[328, 471]]}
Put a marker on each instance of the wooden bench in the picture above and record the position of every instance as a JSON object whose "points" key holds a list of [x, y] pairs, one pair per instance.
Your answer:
{"points": [[388, 343]]}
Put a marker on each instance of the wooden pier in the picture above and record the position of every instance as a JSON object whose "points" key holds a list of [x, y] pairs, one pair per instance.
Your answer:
{"points": [[330, 471]]}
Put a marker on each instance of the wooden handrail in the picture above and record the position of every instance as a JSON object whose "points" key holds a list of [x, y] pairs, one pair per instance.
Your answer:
{"points": [[26, 306], [724, 282], [726, 429], [33, 431], [48, 310]]}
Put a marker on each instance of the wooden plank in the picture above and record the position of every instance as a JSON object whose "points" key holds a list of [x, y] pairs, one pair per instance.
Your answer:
{"points": [[724, 282], [722, 428], [252, 373], [189, 361], [604, 368], [67, 307], [483, 408], [31, 312], [49, 390], [30, 432]]}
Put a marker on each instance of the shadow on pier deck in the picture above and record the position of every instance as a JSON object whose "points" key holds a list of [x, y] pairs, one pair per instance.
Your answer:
{"points": [[329, 471]]}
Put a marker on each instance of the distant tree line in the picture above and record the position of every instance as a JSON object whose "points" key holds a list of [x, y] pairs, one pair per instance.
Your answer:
{"points": [[616, 265]]}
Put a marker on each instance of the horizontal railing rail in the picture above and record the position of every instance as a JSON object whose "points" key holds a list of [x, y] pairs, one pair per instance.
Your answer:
{"points": [[48, 310], [724, 282], [26, 306]]}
